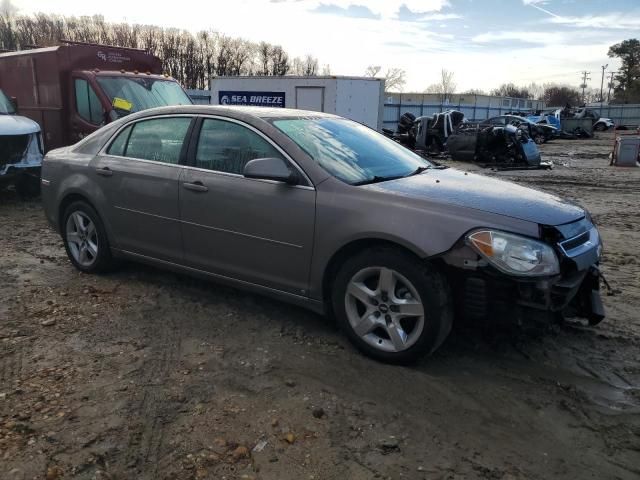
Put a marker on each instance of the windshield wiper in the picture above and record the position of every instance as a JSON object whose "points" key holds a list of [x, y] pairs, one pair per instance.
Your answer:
{"points": [[375, 179], [418, 171]]}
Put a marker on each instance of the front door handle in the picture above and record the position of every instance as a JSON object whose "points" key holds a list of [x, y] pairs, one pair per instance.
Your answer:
{"points": [[104, 171], [196, 186]]}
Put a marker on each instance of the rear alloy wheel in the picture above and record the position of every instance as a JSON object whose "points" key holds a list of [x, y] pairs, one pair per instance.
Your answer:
{"points": [[392, 308], [85, 239]]}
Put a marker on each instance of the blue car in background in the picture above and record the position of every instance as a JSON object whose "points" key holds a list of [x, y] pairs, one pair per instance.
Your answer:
{"points": [[551, 120], [540, 133]]}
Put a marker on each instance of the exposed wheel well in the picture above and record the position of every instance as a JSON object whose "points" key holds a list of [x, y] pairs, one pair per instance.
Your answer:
{"points": [[348, 250]]}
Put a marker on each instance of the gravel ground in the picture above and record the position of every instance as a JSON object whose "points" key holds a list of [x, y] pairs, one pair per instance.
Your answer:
{"points": [[143, 374]]}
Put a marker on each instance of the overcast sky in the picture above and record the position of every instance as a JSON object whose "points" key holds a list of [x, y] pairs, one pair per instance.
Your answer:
{"points": [[485, 42]]}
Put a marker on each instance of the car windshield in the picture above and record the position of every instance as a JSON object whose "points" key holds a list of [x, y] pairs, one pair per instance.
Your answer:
{"points": [[130, 95], [6, 107], [351, 152]]}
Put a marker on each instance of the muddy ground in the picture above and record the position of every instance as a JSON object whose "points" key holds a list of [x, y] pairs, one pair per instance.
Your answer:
{"points": [[144, 374]]}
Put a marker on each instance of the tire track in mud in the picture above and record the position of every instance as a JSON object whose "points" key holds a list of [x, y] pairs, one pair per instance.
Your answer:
{"points": [[11, 365], [148, 415]]}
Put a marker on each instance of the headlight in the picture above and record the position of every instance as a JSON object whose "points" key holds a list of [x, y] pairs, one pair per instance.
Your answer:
{"points": [[513, 254]]}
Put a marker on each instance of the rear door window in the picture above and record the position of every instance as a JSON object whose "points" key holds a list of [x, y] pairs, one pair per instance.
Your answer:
{"points": [[158, 139], [119, 145], [88, 104]]}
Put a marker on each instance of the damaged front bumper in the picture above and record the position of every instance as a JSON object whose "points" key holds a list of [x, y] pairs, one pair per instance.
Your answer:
{"points": [[484, 293], [20, 155]]}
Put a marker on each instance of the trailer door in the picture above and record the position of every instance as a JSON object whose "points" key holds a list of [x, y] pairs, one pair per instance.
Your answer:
{"points": [[310, 98]]}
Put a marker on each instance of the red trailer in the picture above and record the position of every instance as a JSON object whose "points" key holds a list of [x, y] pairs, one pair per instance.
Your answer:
{"points": [[73, 89]]}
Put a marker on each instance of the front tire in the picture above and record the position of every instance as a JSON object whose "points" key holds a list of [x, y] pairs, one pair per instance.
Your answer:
{"points": [[600, 127], [392, 306], [85, 239]]}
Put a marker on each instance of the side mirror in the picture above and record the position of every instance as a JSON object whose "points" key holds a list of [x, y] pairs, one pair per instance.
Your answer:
{"points": [[14, 102], [271, 169]]}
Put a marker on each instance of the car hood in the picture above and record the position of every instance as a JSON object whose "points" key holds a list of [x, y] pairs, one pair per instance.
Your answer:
{"points": [[16, 125], [454, 187]]}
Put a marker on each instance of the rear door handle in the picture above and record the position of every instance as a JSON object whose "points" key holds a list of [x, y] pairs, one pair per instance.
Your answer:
{"points": [[196, 186], [104, 171]]}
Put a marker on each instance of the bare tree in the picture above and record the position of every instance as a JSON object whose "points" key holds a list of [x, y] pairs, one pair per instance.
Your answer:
{"points": [[445, 88], [511, 90], [191, 59], [279, 61], [536, 90], [372, 71], [395, 80], [447, 83], [473, 91], [8, 9], [307, 66], [394, 77], [264, 58]]}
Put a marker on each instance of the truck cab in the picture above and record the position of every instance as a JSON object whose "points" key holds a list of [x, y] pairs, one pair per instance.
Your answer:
{"points": [[99, 97], [73, 89]]}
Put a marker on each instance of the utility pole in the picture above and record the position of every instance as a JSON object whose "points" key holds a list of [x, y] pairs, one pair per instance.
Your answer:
{"points": [[610, 85], [585, 77], [604, 67]]}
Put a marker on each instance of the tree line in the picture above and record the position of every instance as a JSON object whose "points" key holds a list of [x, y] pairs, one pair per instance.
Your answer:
{"points": [[624, 88], [190, 58]]}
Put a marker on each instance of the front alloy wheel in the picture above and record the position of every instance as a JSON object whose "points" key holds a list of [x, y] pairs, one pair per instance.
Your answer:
{"points": [[384, 309], [392, 305]]}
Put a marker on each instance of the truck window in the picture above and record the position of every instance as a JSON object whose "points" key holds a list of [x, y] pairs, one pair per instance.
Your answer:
{"points": [[87, 103], [140, 93], [6, 107]]}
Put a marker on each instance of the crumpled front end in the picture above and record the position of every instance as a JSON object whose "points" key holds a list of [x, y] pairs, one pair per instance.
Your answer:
{"points": [[485, 293], [20, 153]]}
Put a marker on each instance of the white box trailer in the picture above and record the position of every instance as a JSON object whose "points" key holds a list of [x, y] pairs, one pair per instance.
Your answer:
{"points": [[358, 98]]}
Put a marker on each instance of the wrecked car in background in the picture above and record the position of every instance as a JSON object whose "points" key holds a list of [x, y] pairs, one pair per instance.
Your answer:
{"points": [[20, 150], [505, 146], [494, 142], [326, 213], [426, 134], [539, 133], [603, 124]]}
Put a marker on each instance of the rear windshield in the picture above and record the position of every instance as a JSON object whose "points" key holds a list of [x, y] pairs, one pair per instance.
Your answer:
{"points": [[6, 107]]}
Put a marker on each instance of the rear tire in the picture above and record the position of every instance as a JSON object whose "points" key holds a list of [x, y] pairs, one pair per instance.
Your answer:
{"points": [[85, 239], [392, 307]]}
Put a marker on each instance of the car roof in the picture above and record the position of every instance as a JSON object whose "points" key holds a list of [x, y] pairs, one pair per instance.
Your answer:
{"points": [[238, 112]]}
